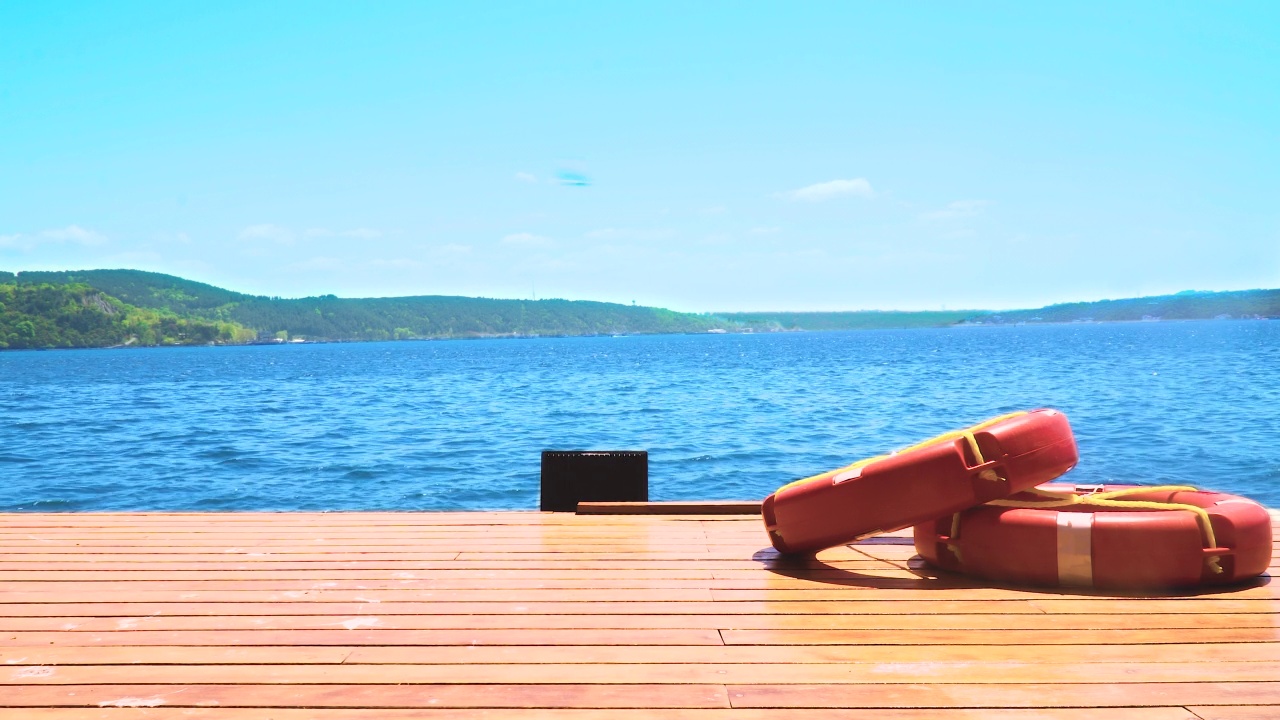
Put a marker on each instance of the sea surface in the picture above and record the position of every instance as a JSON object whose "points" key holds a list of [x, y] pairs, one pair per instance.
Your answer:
{"points": [[459, 425]]}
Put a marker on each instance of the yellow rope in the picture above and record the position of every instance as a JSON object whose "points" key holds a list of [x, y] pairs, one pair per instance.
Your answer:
{"points": [[1112, 500], [966, 433], [985, 475]]}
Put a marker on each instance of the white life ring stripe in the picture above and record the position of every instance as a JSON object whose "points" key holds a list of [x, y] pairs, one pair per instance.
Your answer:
{"points": [[1075, 549]]}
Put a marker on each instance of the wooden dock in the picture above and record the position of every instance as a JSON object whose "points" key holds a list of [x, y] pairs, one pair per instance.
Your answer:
{"points": [[436, 616]]}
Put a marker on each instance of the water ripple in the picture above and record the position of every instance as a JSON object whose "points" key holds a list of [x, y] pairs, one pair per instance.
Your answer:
{"points": [[460, 425]]}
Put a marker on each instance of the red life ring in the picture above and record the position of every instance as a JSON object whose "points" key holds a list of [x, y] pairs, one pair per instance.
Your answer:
{"points": [[1117, 536], [938, 477]]}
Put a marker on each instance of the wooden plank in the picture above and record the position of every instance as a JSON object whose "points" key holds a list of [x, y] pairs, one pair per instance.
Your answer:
{"points": [[1216, 653], [361, 636], [1043, 654], [172, 713], [628, 604], [381, 569], [585, 588], [585, 574], [927, 695], [349, 519], [370, 696], [744, 589], [936, 673], [374, 614], [1238, 712], [995, 637], [868, 577], [847, 696], [400, 546], [370, 616], [813, 592], [285, 607], [724, 507], [472, 592]]}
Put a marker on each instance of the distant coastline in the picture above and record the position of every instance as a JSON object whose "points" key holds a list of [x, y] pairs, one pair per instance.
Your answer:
{"points": [[132, 308]]}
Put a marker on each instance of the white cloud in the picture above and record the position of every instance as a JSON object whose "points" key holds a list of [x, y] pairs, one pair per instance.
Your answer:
{"points": [[858, 187], [75, 234], [267, 231], [317, 263], [396, 263], [629, 234], [71, 234], [286, 236], [526, 240], [451, 250], [957, 209], [526, 177]]}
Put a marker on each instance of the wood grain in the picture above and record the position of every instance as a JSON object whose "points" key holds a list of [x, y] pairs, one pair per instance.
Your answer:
{"points": [[354, 616]]}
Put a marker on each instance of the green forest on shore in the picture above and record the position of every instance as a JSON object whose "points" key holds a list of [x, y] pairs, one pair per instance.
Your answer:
{"points": [[109, 308]]}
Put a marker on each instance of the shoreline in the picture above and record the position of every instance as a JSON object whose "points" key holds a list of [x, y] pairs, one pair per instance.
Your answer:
{"points": [[788, 331]]}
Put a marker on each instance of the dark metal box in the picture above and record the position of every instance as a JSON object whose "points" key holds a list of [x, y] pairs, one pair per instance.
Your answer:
{"points": [[573, 476]]}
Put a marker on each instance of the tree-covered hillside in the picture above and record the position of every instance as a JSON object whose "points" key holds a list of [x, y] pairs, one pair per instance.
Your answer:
{"points": [[856, 320], [75, 315], [332, 318], [1187, 305], [138, 288], [103, 308]]}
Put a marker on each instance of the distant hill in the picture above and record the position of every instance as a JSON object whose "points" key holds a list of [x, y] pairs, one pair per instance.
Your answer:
{"points": [[76, 315], [325, 318], [853, 320], [139, 288], [103, 308], [1187, 305]]}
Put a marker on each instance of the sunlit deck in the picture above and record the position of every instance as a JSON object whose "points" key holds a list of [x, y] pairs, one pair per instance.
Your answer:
{"points": [[534, 615]]}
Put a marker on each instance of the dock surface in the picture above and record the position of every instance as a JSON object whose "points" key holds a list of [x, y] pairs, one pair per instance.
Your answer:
{"points": [[339, 616]]}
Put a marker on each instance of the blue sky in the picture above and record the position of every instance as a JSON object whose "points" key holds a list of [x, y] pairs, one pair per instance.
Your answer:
{"points": [[697, 156]]}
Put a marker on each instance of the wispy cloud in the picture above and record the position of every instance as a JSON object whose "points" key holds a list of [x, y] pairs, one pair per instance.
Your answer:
{"points": [[629, 234], [71, 234], [317, 263], [451, 250], [267, 231], [75, 234], [396, 263], [957, 209], [525, 177], [527, 240], [287, 236], [856, 187]]}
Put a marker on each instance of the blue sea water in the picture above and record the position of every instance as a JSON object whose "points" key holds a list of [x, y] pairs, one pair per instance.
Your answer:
{"points": [[460, 424]]}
